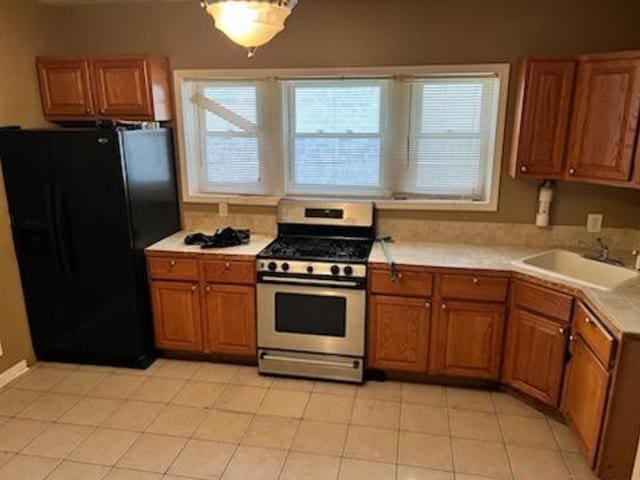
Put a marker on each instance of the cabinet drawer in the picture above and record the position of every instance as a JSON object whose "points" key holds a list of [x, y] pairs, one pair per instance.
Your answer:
{"points": [[543, 300], [230, 271], [470, 287], [412, 283], [594, 334], [167, 268]]}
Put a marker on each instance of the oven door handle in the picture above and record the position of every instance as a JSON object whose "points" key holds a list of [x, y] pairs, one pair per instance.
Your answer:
{"points": [[277, 358], [304, 281]]}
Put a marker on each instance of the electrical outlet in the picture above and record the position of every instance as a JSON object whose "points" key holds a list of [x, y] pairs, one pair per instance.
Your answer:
{"points": [[594, 222], [223, 209]]}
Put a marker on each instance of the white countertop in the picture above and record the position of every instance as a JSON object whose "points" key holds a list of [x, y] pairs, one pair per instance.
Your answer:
{"points": [[175, 244], [621, 306]]}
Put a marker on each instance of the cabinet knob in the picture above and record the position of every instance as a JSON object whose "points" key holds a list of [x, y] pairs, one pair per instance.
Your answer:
{"points": [[524, 169], [562, 331], [207, 288], [427, 304], [444, 306], [572, 171], [172, 263], [102, 111], [572, 338], [475, 281], [227, 266], [194, 288], [588, 321], [87, 110]]}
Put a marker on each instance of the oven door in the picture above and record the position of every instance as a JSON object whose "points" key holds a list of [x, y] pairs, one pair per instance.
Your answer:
{"points": [[305, 318]]}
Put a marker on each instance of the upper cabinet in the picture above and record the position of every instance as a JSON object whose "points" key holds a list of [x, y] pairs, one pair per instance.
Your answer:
{"points": [[577, 119], [126, 88]]}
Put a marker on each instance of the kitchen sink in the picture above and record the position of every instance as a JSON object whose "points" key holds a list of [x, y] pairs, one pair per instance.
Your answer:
{"points": [[571, 266]]}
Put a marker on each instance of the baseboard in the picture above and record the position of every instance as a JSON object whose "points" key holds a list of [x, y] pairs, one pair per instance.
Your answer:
{"points": [[14, 372]]}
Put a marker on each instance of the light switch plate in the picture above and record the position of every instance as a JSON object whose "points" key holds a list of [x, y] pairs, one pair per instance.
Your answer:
{"points": [[594, 222]]}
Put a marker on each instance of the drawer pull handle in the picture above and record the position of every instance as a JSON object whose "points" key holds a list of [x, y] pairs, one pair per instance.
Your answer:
{"points": [[172, 263]]}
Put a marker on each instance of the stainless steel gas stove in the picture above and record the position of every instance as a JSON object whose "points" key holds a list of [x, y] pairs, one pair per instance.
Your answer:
{"points": [[312, 290]]}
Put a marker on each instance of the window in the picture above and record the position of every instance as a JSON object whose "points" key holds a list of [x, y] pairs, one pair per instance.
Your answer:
{"points": [[335, 137], [416, 137]]}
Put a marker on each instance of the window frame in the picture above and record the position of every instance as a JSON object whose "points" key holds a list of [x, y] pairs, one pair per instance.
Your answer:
{"points": [[188, 165]]}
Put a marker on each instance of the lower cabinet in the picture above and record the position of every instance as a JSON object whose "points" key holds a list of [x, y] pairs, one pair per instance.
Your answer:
{"points": [[230, 314], [585, 396], [176, 312], [399, 333], [535, 355], [468, 340]]}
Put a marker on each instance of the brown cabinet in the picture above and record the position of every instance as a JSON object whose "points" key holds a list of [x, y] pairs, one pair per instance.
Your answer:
{"points": [[605, 118], [585, 397], [128, 88], [65, 87], [535, 355], [399, 329], [176, 313], [230, 315], [468, 340], [577, 119], [544, 103]]}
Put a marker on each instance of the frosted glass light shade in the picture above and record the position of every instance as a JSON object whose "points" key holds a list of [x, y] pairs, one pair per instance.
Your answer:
{"points": [[250, 23]]}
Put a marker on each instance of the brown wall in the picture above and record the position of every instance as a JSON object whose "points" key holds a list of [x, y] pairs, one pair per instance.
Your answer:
{"points": [[27, 29], [324, 33]]}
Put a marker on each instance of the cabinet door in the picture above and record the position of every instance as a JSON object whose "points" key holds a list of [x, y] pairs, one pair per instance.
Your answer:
{"points": [[585, 397], [123, 88], [605, 119], [231, 319], [535, 355], [65, 88], [176, 313], [468, 340], [544, 117], [399, 329]]}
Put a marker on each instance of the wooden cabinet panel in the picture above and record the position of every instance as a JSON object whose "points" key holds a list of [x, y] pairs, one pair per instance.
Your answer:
{"points": [[231, 319], [605, 118], [594, 334], [176, 313], [585, 397], [408, 282], [169, 268], [535, 355], [544, 109], [543, 300], [468, 340], [122, 88], [470, 287], [228, 271], [65, 87], [398, 337]]}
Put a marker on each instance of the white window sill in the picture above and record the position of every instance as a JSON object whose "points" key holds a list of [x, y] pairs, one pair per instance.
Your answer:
{"points": [[272, 201]]}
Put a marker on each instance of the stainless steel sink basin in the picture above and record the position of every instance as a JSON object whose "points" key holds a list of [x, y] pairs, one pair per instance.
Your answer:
{"points": [[565, 265]]}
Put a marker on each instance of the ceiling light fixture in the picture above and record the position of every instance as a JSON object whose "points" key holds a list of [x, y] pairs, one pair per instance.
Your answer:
{"points": [[249, 23]]}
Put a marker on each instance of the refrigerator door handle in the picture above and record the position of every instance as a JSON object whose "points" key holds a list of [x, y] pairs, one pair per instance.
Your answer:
{"points": [[49, 212], [58, 206]]}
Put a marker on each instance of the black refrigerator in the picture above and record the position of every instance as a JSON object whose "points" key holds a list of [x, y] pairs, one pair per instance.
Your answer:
{"points": [[84, 204]]}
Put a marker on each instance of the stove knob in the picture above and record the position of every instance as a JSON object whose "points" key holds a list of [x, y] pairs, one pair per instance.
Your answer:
{"points": [[310, 269], [285, 267], [335, 269], [348, 270], [272, 266]]}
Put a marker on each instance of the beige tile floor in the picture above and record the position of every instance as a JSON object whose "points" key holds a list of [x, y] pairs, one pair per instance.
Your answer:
{"points": [[190, 420]]}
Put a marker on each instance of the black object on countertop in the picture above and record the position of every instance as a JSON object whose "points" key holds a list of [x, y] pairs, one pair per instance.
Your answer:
{"points": [[84, 204], [226, 237]]}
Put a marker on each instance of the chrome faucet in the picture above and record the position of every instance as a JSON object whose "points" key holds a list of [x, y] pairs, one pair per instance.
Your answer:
{"points": [[601, 254]]}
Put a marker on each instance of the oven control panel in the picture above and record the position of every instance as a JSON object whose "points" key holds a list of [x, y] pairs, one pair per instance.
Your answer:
{"points": [[294, 267]]}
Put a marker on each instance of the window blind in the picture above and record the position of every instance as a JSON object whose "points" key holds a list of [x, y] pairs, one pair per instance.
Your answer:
{"points": [[335, 136], [451, 137]]}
